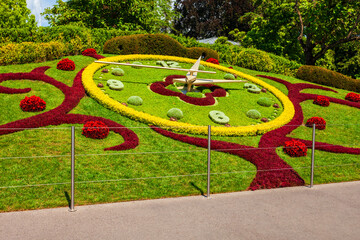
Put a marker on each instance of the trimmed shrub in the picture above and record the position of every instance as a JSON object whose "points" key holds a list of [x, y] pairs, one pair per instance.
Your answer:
{"points": [[322, 101], [252, 88], [328, 78], [319, 122], [89, 51], [265, 102], [218, 117], [254, 114], [138, 63], [95, 130], [254, 59], [115, 84], [175, 113], [66, 65], [295, 148], [213, 60], [353, 97], [117, 72], [205, 53], [32, 104], [135, 100], [229, 76]]}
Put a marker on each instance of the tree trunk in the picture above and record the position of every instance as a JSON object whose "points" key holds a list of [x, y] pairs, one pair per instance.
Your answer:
{"points": [[309, 57]]}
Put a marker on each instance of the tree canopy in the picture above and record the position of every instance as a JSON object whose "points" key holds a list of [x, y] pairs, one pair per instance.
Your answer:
{"points": [[208, 18], [151, 15], [15, 14]]}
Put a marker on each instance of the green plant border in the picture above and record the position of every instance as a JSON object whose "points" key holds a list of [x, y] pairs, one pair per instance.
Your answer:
{"points": [[103, 99]]}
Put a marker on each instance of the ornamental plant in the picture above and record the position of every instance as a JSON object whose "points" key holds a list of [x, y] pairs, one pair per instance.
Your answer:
{"points": [[353, 97], [95, 130], [319, 122], [32, 104], [212, 60], [295, 148], [66, 65], [322, 101], [89, 51]]}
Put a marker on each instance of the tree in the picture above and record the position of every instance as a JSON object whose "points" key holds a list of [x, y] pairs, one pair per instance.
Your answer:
{"points": [[15, 14], [152, 16], [316, 26], [208, 18]]}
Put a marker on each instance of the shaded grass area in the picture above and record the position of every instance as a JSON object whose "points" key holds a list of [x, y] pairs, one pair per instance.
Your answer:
{"points": [[105, 178]]}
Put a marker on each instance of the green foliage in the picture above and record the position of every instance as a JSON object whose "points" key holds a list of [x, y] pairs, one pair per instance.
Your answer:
{"points": [[201, 67], [135, 100], [252, 88], [27, 52], [194, 94], [347, 59], [118, 72], [229, 76], [175, 113], [237, 35], [265, 102], [283, 65], [218, 117], [151, 15], [254, 114], [206, 53], [15, 14], [172, 88], [327, 61], [115, 84], [254, 59], [328, 78]]}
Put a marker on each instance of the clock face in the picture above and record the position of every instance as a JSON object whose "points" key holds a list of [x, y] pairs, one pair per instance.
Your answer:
{"points": [[150, 92]]}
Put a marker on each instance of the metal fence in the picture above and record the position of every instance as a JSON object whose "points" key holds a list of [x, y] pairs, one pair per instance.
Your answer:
{"points": [[72, 156]]}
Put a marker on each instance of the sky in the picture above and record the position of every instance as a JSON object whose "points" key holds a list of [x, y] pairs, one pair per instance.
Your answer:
{"points": [[37, 7]]}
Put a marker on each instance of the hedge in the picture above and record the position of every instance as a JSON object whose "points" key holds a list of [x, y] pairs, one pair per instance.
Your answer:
{"points": [[327, 77]]}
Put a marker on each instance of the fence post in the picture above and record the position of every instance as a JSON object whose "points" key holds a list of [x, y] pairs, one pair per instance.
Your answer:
{"points": [[72, 169], [312, 157], [208, 161]]}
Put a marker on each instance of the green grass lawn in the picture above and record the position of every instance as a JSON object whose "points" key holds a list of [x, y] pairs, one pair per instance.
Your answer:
{"points": [[104, 176]]}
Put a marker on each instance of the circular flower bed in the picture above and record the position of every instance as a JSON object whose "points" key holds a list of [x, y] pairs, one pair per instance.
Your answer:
{"points": [[89, 51], [212, 60], [322, 101], [66, 65], [32, 104], [319, 122], [295, 148], [353, 97], [95, 129]]}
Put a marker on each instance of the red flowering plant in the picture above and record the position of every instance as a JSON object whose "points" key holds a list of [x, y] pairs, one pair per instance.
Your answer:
{"points": [[212, 60], [95, 129], [66, 65], [353, 97], [322, 101], [319, 122], [32, 104], [89, 51], [295, 148]]}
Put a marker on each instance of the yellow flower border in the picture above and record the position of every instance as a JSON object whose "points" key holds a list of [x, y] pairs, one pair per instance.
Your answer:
{"points": [[102, 98]]}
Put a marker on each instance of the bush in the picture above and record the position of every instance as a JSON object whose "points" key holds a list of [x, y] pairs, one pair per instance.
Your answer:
{"points": [[117, 72], [265, 102], [284, 66], [32, 104], [229, 76], [212, 60], [27, 52], [328, 78], [89, 51], [175, 113], [254, 114], [218, 117], [252, 88], [319, 122], [254, 59], [205, 53], [66, 65], [135, 100], [295, 148], [322, 101], [115, 84], [353, 97], [95, 129]]}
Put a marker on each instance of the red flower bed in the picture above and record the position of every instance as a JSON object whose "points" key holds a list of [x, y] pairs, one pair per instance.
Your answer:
{"points": [[319, 122], [353, 97], [322, 101], [212, 60], [32, 104], [95, 129], [295, 148], [66, 65], [89, 51]]}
